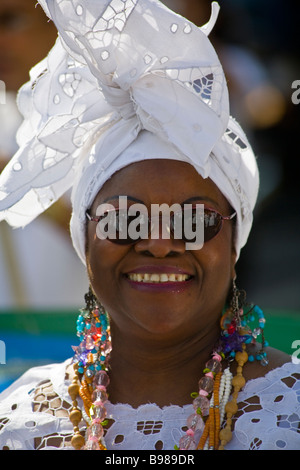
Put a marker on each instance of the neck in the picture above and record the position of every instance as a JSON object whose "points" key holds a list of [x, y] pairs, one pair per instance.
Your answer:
{"points": [[156, 372]]}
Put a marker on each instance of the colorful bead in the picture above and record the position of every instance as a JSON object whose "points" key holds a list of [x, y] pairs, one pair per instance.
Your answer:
{"points": [[214, 365], [99, 413], [206, 384], [101, 378], [195, 423], [95, 431], [201, 403], [99, 396], [187, 443], [92, 445]]}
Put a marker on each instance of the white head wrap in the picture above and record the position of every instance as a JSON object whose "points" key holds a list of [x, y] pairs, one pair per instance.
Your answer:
{"points": [[127, 80]]}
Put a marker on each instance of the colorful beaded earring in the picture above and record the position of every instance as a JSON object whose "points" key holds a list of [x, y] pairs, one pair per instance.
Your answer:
{"points": [[90, 366], [238, 326], [94, 334]]}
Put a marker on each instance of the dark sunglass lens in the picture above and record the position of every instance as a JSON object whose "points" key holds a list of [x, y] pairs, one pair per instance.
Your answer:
{"points": [[184, 224], [212, 224], [127, 229], [120, 229]]}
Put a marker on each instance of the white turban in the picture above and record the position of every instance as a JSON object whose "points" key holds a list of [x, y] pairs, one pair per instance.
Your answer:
{"points": [[127, 80]]}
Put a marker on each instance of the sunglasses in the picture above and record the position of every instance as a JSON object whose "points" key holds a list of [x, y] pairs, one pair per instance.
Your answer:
{"points": [[117, 225]]}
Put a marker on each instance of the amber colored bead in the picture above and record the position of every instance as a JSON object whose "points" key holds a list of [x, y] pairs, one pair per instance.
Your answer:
{"points": [[73, 390], [229, 421], [90, 358], [204, 435], [231, 407], [238, 381], [75, 417], [102, 447], [77, 441], [241, 357], [243, 331], [225, 435]]}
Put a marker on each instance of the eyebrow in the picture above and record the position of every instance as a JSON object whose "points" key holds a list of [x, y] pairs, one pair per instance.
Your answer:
{"points": [[201, 198], [187, 201], [111, 198]]}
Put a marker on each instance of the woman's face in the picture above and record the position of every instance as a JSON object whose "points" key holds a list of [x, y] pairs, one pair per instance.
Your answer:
{"points": [[169, 308]]}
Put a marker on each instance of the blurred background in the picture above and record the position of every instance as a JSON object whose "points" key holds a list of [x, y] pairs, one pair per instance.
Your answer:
{"points": [[42, 283]]}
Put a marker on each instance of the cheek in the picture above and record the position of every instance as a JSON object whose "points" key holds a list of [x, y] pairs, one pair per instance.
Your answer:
{"points": [[103, 258], [218, 261], [100, 259]]}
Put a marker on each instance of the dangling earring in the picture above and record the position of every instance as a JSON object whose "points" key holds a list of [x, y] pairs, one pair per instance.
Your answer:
{"points": [[93, 330], [90, 372], [237, 326], [237, 303]]}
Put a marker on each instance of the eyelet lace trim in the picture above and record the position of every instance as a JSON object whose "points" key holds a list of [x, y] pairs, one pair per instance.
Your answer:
{"points": [[34, 415]]}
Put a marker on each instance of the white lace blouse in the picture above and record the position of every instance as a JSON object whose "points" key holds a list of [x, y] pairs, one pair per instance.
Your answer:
{"points": [[34, 415]]}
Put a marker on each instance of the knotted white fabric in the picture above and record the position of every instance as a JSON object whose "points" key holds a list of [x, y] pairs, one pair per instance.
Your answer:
{"points": [[126, 80]]}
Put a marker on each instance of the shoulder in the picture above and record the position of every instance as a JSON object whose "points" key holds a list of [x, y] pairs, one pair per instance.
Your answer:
{"points": [[268, 405], [33, 409], [32, 378], [276, 359]]}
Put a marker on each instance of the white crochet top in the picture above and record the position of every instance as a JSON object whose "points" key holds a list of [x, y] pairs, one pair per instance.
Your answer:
{"points": [[34, 415]]}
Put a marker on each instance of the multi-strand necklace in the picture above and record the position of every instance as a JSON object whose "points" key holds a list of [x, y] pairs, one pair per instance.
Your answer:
{"points": [[209, 427]]}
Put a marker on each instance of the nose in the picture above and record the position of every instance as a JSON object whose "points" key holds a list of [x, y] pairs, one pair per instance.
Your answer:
{"points": [[160, 243]]}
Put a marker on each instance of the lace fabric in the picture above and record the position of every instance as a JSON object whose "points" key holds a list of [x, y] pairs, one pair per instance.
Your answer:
{"points": [[34, 415]]}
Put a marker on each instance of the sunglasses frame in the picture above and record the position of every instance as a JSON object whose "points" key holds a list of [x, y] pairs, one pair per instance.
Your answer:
{"points": [[133, 241]]}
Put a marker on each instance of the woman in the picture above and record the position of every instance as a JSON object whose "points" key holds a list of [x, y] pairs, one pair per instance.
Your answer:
{"points": [[137, 114]]}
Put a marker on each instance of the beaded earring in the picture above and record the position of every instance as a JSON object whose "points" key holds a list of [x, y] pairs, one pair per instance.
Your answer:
{"points": [[238, 326], [94, 334], [91, 379]]}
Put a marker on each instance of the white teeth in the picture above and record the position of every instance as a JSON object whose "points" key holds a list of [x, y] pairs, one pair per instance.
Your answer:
{"points": [[156, 278]]}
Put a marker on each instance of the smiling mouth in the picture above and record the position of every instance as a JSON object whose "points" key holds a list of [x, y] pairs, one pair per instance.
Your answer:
{"points": [[157, 278]]}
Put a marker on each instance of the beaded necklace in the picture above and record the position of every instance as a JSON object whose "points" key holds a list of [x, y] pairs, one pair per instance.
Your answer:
{"points": [[211, 403]]}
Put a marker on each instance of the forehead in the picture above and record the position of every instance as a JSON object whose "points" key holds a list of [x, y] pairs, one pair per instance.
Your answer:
{"points": [[161, 181]]}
